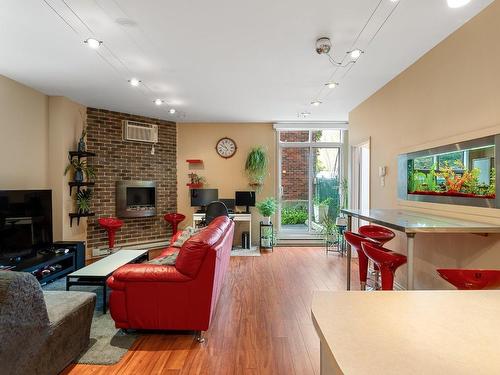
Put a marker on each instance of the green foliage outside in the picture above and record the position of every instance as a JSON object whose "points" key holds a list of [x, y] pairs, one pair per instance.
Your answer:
{"points": [[294, 215]]}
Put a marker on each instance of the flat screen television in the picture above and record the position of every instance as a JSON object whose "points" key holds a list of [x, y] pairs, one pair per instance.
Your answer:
{"points": [[245, 198], [202, 197], [25, 222]]}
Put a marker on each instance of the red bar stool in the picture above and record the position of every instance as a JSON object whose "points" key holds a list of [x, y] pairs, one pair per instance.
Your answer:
{"points": [[471, 279], [355, 240], [386, 260], [377, 233], [111, 225], [174, 218]]}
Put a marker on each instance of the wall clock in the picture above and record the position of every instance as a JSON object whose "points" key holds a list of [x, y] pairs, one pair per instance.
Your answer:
{"points": [[226, 147]]}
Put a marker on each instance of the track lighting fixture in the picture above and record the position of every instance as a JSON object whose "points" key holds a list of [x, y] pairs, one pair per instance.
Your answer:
{"points": [[457, 3], [172, 111], [92, 43], [331, 85], [134, 82], [316, 103], [355, 54], [323, 45], [158, 102]]}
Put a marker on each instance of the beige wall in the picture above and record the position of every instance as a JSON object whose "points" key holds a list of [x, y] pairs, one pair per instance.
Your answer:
{"points": [[37, 131], [65, 126], [450, 94], [24, 138], [197, 141]]}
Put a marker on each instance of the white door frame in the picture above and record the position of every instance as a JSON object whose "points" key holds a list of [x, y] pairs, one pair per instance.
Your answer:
{"points": [[355, 175]]}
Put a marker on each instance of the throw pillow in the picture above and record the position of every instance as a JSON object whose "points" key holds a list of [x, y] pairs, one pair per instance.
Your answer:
{"points": [[168, 260], [185, 235]]}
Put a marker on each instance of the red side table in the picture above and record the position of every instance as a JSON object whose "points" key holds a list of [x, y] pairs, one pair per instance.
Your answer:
{"points": [[174, 218], [111, 225]]}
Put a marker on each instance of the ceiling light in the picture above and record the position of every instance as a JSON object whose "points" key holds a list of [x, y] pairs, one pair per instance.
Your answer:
{"points": [[158, 102], [457, 3], [356, 53], [134, 82], [93, 43], [315, 103], [331, 85], [171, 111], [303, 114], [323, 45]]}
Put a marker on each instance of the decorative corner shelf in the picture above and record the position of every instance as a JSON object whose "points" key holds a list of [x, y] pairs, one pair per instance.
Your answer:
{"points": [[194, 186], [81, 154], [194, 161], [78, 185], [77, 216]]}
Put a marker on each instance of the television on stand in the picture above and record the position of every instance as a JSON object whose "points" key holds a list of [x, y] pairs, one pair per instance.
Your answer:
{"points": [[25, 223], [245, 198], [203, 197]]}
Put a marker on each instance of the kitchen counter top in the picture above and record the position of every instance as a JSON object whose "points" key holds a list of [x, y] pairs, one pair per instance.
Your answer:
{"points": [[412, 332]]}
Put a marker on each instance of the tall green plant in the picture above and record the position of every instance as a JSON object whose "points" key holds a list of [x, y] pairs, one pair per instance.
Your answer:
{"points": [[256, 166], [267, 207]]}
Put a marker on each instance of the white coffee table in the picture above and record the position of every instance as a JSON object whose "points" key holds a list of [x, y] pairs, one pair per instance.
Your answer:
{"points": [[98, 272]]}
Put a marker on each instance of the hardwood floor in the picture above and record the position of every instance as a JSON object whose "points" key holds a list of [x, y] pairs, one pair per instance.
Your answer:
{"points": [[262, 323]]}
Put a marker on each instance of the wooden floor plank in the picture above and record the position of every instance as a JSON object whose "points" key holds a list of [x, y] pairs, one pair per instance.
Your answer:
{"points": [[262, 323]]}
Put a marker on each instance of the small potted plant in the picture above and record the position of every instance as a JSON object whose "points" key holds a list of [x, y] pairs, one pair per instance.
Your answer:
{"points": [[82, 146], [83, 198], [321, 209], [79, 168], [256, 167], [267, 208], [341, 220]]}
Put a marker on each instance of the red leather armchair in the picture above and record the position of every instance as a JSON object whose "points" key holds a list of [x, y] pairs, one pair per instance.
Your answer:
{"points": [[180, 297]]}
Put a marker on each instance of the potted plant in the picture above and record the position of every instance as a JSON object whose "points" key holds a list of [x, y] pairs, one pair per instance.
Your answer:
{"points": [[342, 220], [268, 238], [329, 230], [79, 168], [256, 167], [321, 209], [83, 198], [267, 208]]}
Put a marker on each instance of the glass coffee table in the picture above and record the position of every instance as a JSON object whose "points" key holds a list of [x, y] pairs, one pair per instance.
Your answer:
{"points": [[98, 272]]}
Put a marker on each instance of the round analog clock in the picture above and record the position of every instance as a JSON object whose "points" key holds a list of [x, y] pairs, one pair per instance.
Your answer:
{"points": [[226, 147]]}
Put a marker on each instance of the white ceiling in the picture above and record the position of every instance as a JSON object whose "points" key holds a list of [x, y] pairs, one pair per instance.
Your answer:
{"points": [[218, 60]]}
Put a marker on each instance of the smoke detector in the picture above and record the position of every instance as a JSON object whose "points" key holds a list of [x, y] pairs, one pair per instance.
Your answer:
{"points": [[323, 45]]}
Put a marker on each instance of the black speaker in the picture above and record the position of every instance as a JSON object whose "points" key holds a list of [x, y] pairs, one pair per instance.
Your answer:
{"points": [[78, 247]]}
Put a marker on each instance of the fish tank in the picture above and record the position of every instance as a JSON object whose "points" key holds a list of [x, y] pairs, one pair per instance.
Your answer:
{"points": [[462, 173]]}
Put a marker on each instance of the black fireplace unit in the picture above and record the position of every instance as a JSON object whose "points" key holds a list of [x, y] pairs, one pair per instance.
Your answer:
{"points": [[135, 198]]}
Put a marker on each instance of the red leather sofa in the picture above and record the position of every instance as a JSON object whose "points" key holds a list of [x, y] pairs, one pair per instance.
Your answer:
{"points": [[180, 297]]}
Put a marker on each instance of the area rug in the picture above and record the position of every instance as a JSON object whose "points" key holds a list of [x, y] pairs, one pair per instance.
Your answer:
{"points": [[252, 252], [107, 344]]}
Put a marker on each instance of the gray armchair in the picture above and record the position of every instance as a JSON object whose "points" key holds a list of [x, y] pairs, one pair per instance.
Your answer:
{"points": [[41, 332]]}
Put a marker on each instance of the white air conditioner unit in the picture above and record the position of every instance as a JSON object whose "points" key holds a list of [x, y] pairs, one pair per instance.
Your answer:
{"points": [[140, 132]]}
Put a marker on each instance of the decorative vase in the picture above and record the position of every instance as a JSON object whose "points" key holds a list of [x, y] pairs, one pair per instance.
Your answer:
{"points": [[82, 147], [78, 175], [267, 220]]}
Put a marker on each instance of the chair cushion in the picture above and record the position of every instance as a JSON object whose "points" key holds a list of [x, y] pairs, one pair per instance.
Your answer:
{"points": [[194, 250], [184, 236], [166, 260]]}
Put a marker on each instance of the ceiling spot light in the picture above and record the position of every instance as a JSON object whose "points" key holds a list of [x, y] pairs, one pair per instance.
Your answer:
{"points": [[134, 82], [92, 43], [323, 45], [158, 102], [171, 111], [457, 3], [331, 85], [303, 114], [355, 54], [315, 103]]}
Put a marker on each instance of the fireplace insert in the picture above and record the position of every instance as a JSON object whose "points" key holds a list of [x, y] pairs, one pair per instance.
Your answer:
{"points": [[135, 198]]}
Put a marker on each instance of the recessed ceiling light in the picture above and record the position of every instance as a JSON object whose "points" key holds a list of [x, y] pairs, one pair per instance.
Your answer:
{"points": [[303, 114], [457, 3], [355, 54], [331, 85], [315, 103], [171, 111], [158, 102], [134, 82], [92, 43]]}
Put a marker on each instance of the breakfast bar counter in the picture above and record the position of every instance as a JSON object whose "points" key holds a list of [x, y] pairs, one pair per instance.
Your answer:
{"points": [[411, 332], [411, 223]]}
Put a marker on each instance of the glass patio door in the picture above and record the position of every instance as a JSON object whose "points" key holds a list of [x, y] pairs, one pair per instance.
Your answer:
{"points": [[309, 180]]}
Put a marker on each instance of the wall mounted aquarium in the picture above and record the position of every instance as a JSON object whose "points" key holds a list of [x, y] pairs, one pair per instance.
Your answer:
{"points": [[462, 173]]}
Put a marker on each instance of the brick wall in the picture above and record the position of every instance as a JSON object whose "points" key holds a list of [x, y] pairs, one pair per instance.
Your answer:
{"points": [[118, 160]]}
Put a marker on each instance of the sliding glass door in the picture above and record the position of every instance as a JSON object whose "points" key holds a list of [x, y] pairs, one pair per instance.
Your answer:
{"points": [[309, 180]]}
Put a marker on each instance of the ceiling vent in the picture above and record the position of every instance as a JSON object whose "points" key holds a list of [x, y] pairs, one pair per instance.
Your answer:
{"points": [[140, 132]]}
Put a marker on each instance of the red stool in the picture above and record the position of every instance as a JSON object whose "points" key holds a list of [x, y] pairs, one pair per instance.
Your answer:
{"points": [[377, 233], [174, 219], [471, 279], [111, 225], [386, 260], [355, 240]]}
